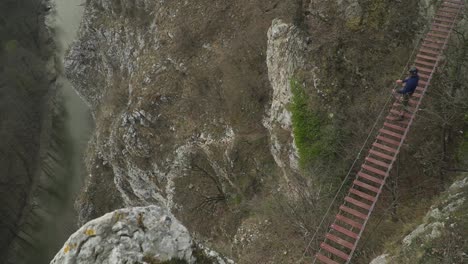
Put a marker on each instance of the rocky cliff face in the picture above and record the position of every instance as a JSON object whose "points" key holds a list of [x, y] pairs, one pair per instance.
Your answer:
{"points": [[286, 54], [179, 93], [192, 108]]}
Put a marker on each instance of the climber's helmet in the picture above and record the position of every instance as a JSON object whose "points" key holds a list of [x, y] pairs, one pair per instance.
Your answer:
{"points": [[413, 70]]}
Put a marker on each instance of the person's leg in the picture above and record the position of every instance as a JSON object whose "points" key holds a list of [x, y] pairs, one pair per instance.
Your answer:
{"points": [[404, 102]]}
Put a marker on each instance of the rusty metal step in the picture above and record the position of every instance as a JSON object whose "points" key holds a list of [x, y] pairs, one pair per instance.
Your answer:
{"points": [[443, 19], [432, 58], [348, 221], [410, 107], [398, 113], [436, 35], [425, 76], [434, 40], [324, 259], [448, 10], [366, 186], [380, 154], [377, 162], [344, 231], [389, 141], [399, 105], [450, 17], [423, 69], [390, 133], [431, 45], [353, 212], [374, 170], [362, 195], [358, 203], [423, 83], [430, 64], [452, 5], [397, 120], [442, 25], [395, 127], [334, 251], [386, 148], [370, 178], [340, 241], [412, 102], [441, 29]]}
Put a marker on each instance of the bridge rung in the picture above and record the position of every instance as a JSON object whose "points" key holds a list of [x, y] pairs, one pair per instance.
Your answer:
{"points": [[399, 128], [374, 170], [358, 203], [398, 113], [390, 133], [429, 51], [366, 186], [423, 69], [408, 108], [380, 154], [442, 25], [378, 162], [441, 18], [440, 30], [334, 251], [449, 17], [434, 40], [387, 140], [353, 212], [370, 178], [422, 75], [324, 259], [348, 221], [448, 10], [362, 195], [340, 241], [447, 5], [344, 231], [394, 119], [452, 5], [386, 148], [432, 58], [430, 64], [417, 95], [414, 101], [432, 46]]}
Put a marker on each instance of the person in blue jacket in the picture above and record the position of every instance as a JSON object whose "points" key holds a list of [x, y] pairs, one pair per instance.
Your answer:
{"points": [[410, 85]]}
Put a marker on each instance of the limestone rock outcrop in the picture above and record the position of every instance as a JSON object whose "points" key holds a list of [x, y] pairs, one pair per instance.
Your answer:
{"points": [[133, 235], [439, 238], [285, 55]]}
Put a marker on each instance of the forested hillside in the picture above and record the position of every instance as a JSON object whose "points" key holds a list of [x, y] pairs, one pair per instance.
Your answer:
{"points": [[26, 76]]}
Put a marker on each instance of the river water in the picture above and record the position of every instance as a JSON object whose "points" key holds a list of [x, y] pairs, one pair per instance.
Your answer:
{"points": [[78, 124]]}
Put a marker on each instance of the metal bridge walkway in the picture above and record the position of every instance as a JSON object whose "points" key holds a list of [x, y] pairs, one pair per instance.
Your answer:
{"points": [[344, 234]]}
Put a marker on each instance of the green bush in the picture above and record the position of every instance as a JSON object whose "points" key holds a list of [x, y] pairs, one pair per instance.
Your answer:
{"points": [[314, 134]]}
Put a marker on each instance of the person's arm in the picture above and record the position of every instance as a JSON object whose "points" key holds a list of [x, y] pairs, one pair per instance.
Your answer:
{"points": [[402, 82]]}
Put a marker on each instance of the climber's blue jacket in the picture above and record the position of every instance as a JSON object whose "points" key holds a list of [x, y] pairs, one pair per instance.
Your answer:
{"points": [[411, 84]]}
